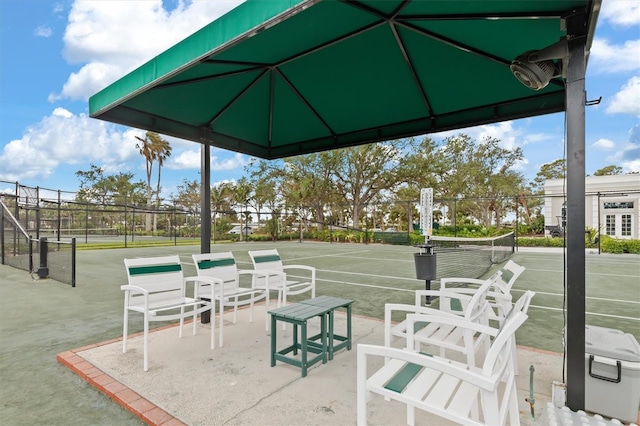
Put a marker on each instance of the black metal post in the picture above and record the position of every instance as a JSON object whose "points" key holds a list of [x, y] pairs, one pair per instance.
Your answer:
{"points": [[43, 270], [2, 235], [73, 262], [575, 104], [59, 214], [125, 220], [37, 212], [599, 224], [205, 199], [205, 212], [86, 224]]}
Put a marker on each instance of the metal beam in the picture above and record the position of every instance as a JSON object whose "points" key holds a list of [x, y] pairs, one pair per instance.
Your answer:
{"points": [[205, 199], [576, 97]]}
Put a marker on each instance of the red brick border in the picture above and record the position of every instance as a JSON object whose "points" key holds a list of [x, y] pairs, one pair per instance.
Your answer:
{"points": [[131, 401]]}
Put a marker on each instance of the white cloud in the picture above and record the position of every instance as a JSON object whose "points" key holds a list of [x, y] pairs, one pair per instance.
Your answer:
{"points": [[612, 58], [627, 100], [624, 13], [63, 137], [604, 144], [190, 159], [112, 38], [509, 136], [43, 31], [628, 158]]}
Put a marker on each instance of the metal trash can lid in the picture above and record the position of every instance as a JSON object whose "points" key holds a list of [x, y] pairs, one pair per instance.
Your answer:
{"points": [[611, 343]]}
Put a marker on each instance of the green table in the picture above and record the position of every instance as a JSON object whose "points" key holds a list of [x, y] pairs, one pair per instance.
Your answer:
{"points": [[298, 314], [331, 304]]}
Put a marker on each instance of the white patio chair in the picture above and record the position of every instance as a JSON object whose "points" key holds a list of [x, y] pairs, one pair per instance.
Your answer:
{"points": [[475, 309], [500, 306], [452, 390], [220, 271], [277, 278], [158, 290], [460, 339]]}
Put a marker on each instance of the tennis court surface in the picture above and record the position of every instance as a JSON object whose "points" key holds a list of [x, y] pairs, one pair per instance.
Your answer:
{"points": [[44, 318]]}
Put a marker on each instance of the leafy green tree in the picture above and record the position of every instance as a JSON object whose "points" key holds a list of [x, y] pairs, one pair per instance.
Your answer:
{"points": [[608, 171], [363, 172], [462, 168], [239, 193], [555, 170], [96, 187]]}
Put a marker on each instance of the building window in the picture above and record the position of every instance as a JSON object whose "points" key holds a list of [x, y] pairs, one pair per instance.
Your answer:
{"points": [[610, 224], [626, 225], [618, 205]]}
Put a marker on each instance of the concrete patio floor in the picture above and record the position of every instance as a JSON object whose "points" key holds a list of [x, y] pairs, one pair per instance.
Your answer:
{"points": [[188, 383]]}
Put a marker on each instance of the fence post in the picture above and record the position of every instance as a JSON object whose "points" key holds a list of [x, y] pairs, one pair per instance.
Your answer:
{"points": [[2, 233], [73, 262]]}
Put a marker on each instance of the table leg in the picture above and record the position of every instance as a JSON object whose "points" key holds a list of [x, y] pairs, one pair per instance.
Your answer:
{"points": [[330, 350], [273, 340], [295, 338], [323, 335], [303, 349], [349, 327]]}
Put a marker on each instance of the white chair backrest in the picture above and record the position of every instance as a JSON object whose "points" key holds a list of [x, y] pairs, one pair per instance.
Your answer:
{"points": [[266, 260], [499, 354], [478, 303], [511, 272], [161, 276], [522, 305], [217, 265]]}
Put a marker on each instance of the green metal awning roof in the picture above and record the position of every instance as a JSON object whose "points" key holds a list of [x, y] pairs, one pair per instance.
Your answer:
{"points": [[282, 77]]}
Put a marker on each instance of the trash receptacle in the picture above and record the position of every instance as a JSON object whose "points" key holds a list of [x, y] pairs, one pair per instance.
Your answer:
{"points": [[612, 373], [425, 262]]}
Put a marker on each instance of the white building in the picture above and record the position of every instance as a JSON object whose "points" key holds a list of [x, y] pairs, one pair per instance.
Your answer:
{"points": [[612, 203]]}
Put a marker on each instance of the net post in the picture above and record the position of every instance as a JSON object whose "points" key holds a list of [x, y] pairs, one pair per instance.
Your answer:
{"points": [[43, 270], [426, 271]]}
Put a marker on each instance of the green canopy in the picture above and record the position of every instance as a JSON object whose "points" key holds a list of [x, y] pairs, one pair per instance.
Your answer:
{"points": [[277, 78], [283, 77]]}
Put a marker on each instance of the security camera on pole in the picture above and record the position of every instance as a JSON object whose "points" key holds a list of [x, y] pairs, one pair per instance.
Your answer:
{"points": [[425, 261]]}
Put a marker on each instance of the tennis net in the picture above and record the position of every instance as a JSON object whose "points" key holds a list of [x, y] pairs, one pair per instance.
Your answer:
{"points": [[470, 257]]}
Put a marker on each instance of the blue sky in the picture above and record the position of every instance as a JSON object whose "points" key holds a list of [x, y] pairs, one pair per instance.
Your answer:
{"points": [[55, 54]]}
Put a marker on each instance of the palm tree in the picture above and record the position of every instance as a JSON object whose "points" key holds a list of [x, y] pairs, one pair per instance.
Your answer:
{"points": [[162, 150], [153, 148]]}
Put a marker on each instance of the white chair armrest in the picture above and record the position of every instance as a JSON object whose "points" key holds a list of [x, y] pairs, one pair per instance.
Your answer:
{"points": [[207, 280], [445, 281], [135, 289], [433, 362], [457, 293], [267, 274], [308, 268]]}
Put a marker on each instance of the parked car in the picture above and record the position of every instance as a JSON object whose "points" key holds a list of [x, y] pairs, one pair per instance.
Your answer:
{"points": [[391, 230], [238, 230]]}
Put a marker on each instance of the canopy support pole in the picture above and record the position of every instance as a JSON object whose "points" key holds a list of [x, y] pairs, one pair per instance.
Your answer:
{"points": [[205, 199], [575, 115]]}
